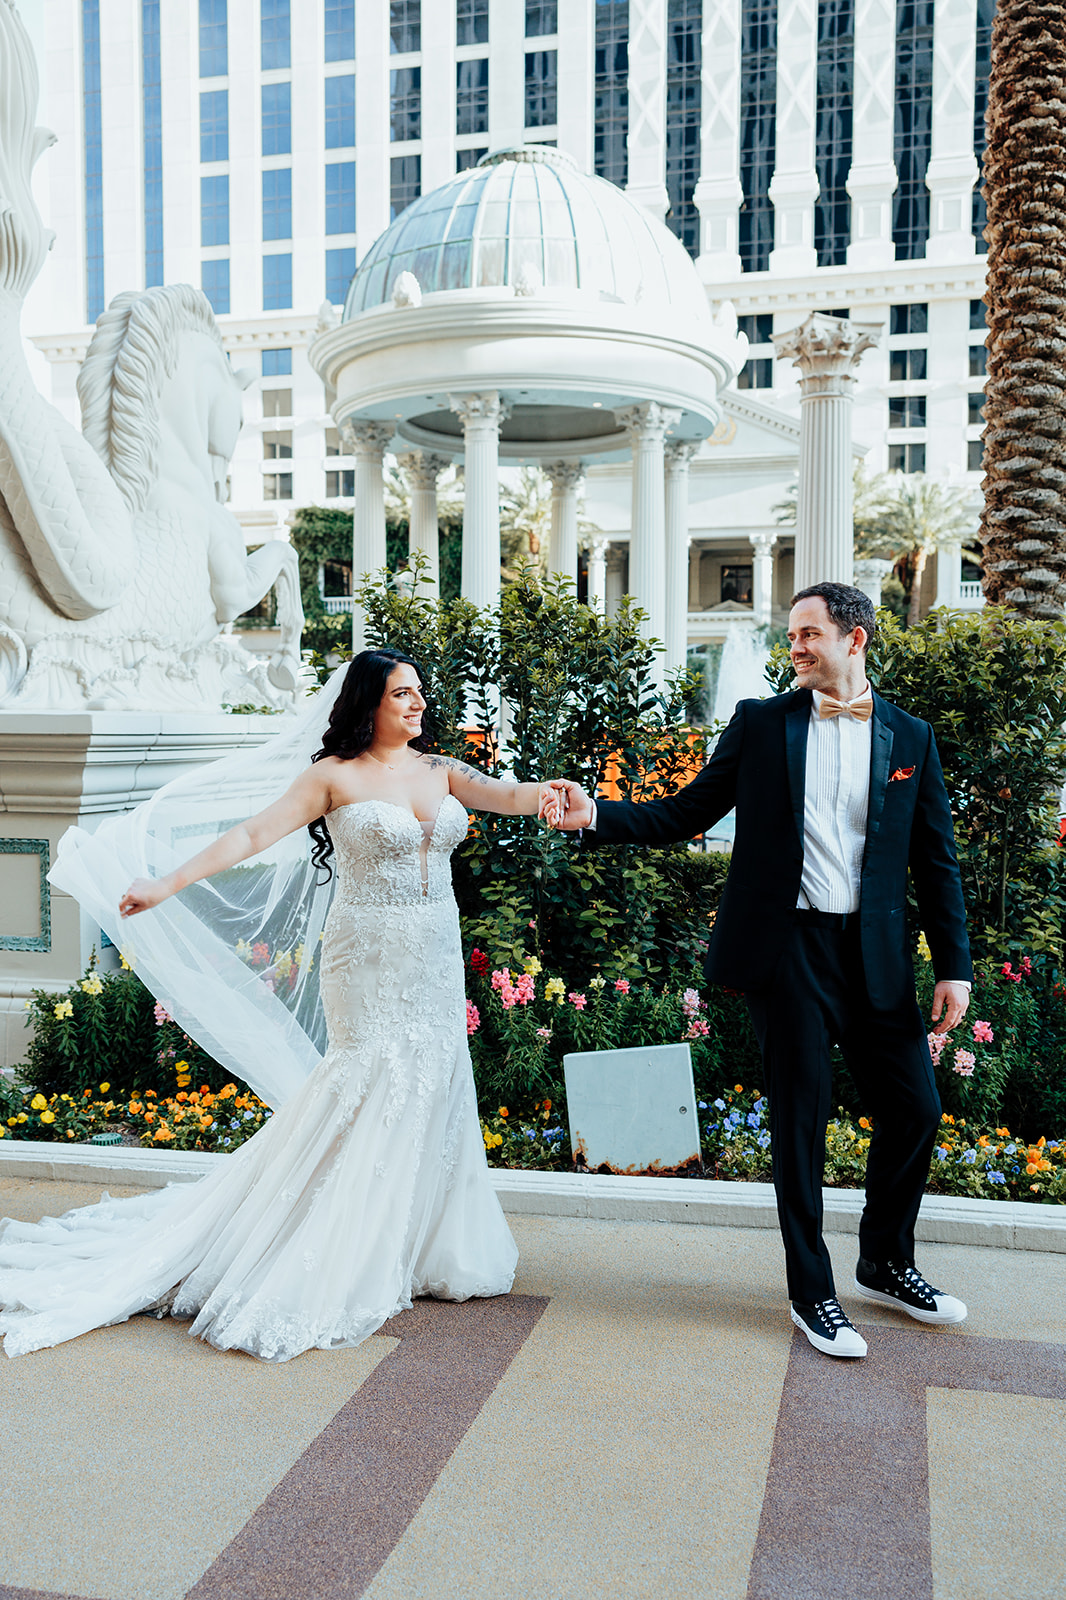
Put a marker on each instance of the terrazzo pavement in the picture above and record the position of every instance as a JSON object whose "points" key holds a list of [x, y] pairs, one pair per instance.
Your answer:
{"points": [[639, 1417]]}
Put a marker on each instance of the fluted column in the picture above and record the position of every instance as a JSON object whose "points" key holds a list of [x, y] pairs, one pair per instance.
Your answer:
{"points": [[870, 574], [366, 442], [646, 426], [481, 416], [952, 170], [873, 177], [566, 479], [598, 549], [827, 351], [762, 577], [422, 469], [677, 458]]}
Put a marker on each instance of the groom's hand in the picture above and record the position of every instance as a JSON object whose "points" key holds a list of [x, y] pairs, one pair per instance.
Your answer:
{"points": [[950, 1000], [575, 809]]}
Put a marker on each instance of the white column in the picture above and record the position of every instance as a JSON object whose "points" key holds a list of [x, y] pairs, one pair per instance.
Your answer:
{"points": [[481, 417], [646, 426], [695, 556], [422, 469], [952, 170], [438, 96], [677, 458], [794, 185], [366, 441], [507, 73], [827, 351], [762, 577], [949, 574], [870, 574], [577, 54], [598, 549], [566, 480], [873, 175], [718, 194], [646, 140]]}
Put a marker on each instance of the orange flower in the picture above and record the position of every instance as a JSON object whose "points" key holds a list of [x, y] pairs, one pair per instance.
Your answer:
{"points": [[984, 1139], [162, 1134], [1031, 1168], [738, 1088], [946, 1118], [181, 1098], [205, 1122], [149, 1116], [503, 1112], [864, 1122], [1041, 1142], [135, 1108]]}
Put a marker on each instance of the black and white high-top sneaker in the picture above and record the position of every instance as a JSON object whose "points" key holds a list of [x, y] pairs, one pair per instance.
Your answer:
{"points": [[897, 1283], [828, 1329]]}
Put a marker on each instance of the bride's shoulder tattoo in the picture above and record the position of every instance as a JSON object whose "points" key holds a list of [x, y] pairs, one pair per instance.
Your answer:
{"points": [[459, 766]]}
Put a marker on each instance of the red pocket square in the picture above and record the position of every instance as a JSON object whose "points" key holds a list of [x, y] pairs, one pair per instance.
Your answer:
{"points": [[901, 773]]}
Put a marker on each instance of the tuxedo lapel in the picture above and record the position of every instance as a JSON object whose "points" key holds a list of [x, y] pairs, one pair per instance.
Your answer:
{"points": [[880, 764], [797, 723]]}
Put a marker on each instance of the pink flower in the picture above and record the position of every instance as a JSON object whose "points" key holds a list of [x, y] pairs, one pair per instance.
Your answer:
{"points": [[965, 1061], [508, 998], [697, 1029], [161, 1014], [691, 1002], [982, 1033], [473, 1019], [622, 985], [578, 1001], [544, 1033], [501, 979], [526, 988], [1027, 965], [1009, 973], [937, 1042]]}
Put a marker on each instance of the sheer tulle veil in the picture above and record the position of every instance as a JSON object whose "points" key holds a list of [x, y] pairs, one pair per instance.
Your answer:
{"points": [[234, 959]]}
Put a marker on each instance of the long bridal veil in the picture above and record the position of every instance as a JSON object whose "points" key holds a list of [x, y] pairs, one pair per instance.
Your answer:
{"points": [[233, 959]]}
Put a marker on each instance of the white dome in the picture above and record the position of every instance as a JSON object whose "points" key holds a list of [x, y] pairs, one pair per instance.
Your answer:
{"points": [[528, 218]]}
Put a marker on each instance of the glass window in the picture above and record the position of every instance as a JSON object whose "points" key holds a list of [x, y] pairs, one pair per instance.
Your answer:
{"points": [[757, 374], [214, 125], [340, 270], [277, 118], [213, 42], [214, 210], [977, 314], [759, 328], [542, 88], [277, 204], [906, 411], [277, 283], [978, 361], [465, 159], [832, 137], [277, 486], [758, 130], [913, 126], [611, 91], [906, 365], [274, 34], [405, 26], [333, 442], [908, 319], [986, 11], [94, 169], [277, 363], [405, 103], [472, 96], [975, 451], [152, 108], [405, 183], [472, 21], [340, 30], [340, 486], [906, 458], [214, 281], [340, 197], [542, 16], [683, 100], [736, 584], [340, 112], [277, 447], [975, 408], [277, 402]]}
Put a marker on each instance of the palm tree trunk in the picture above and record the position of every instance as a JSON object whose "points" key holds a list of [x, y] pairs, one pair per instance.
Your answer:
{"points": [[1024, 523], [921, 556]]}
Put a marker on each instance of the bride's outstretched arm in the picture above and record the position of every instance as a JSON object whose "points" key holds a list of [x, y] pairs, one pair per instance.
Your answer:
{"points": [[308, 798], [478, 792]]}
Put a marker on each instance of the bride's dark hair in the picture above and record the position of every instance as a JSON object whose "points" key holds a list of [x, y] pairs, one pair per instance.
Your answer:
{"points": [[351, 725]]}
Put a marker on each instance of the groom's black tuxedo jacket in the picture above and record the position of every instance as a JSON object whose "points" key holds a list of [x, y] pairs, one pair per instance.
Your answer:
{"points": [[759, 766]]}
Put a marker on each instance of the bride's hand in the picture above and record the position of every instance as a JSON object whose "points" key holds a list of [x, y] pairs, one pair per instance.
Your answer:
{"points": [[551, 802], [142, 895]]}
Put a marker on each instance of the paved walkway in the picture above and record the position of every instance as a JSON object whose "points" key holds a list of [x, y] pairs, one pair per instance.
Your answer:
{"points": [[637, 1419]]}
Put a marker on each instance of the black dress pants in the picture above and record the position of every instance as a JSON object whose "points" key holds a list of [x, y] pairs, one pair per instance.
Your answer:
{"points": [[818, 997]]}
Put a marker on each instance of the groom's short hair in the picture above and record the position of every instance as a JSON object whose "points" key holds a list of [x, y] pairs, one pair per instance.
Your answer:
{"points": [[847, 606]]}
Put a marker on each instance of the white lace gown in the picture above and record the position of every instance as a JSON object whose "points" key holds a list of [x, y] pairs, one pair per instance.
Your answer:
{"points": [[367, 1188]]}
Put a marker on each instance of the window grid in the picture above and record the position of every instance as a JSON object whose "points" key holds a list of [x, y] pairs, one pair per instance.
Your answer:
{"points": [[405, 183], [986, 11], [274, 35], [914, 126], [907, 366], [472, 96], [340, 270], [978, 361], [277, 363], [277, 203], [214, 125], [94, 167], [405, 26], [757, 374], [611, 91], [975, 452], [276, 106], [214, 210], [542, 17], [405, 104], [277, 486], [339, 19], [340, 485], [277, 283], [465, 159], [906, 411], [684, 28], [152, 113], [340, 197], [214, 281], [340, 111], [758, 130], [214, 44], [542, 88], [912, 318], [472, 22], [759, 327], [975, 409], [833, 130], [906, 458], [978, 317]]}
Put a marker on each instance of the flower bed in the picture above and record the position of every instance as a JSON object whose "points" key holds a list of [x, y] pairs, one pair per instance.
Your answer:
{"points": [[199, 1120]]}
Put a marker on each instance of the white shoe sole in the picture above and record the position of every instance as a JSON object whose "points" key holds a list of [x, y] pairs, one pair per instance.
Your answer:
{"points": [[831, 1347], [955, 1312]]}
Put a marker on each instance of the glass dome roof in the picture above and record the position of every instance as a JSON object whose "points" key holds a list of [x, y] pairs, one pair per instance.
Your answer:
{"points": [[528, 217]]}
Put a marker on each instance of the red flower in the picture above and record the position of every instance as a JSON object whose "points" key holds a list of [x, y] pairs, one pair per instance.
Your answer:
{"points": [[479, 962]]}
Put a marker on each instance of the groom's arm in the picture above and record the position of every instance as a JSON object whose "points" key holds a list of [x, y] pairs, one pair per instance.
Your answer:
{"points": [[692, 810], [935, 872]]}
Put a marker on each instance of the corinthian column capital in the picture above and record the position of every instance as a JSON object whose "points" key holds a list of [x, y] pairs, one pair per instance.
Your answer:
{"points": [[565, 474], [422, 468], [648, 422], [827, 350], [486, 409], [679, 453], [366, 438]]}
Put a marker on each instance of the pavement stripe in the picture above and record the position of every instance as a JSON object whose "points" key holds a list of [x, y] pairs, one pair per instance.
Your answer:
{"points": [[846, 1510], [337, 1515]]}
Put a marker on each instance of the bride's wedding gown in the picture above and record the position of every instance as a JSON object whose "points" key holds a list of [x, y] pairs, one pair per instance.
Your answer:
{"points": [[365, 1189]]}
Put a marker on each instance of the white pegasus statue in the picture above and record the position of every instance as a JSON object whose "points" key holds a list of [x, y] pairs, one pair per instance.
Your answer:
{"points": [[119, 564]]}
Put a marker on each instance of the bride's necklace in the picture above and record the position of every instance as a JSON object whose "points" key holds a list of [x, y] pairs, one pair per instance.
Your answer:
{"points": [[379, 761]]}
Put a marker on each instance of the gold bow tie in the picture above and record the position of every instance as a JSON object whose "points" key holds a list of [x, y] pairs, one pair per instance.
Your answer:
{"points": [[861, 709]]}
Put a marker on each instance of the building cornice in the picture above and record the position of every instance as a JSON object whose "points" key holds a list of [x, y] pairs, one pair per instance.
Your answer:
{"points": [[887, 285]]}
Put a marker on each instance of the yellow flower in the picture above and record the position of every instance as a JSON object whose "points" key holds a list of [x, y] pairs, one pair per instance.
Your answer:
{"points": [[50, 1116], [104, 1087], [181, 1066], [184, 1081], [93, 984], [70, 1133], [22, 1117], [532, 966], [923, 948], [12, 1122], [38, 1102], [65, 1008], [126, 957], [555, 989], [597, 983], [3, 1133]]}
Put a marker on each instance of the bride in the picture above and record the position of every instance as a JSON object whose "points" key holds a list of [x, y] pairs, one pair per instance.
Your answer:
{"points": [[369, 1185]]}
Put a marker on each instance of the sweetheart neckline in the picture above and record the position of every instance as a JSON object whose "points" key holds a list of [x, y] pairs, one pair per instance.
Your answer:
{"points": [[350, 805]]}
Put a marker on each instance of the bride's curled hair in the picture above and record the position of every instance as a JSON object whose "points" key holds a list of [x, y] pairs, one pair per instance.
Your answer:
{"points": [[351, 725]]}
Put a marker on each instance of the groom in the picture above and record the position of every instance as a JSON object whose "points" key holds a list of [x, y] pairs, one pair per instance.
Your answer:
{"points": [[837, 794]]}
